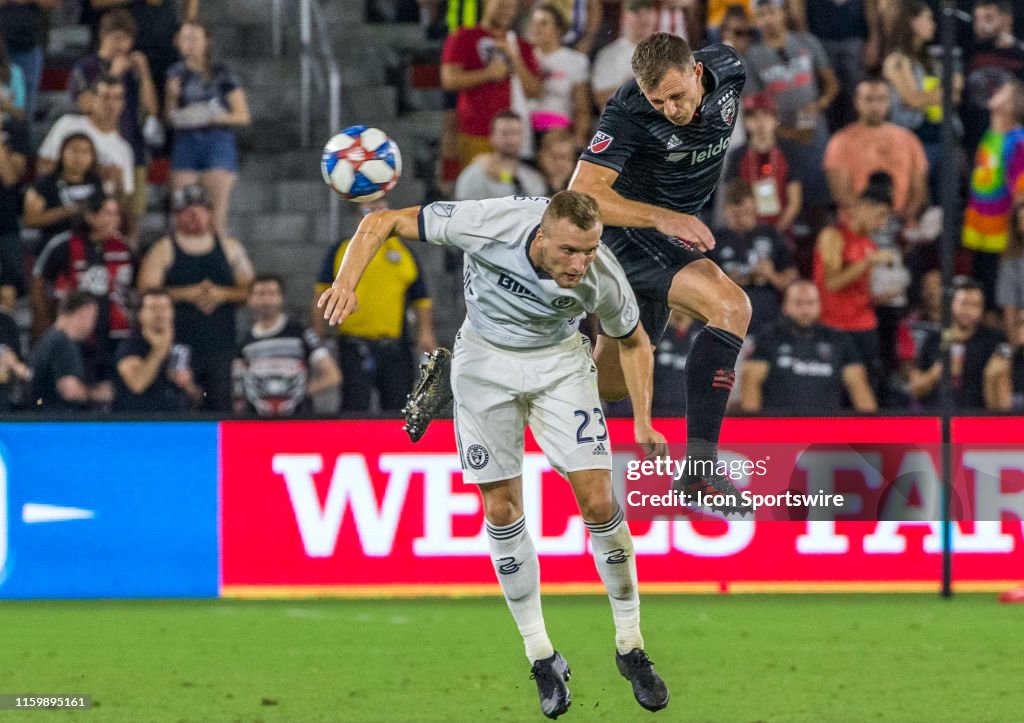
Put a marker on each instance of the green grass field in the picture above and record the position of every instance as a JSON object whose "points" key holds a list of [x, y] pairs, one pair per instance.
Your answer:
{"points": [[725, 658]]}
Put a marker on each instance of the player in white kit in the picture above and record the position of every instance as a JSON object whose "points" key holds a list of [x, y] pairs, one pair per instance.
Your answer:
{"points": [[533, 268]]}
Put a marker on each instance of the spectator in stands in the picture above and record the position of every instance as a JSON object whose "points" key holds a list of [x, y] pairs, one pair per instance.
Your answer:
{"points": [[94, 258], [153, 373], [281, 364], [102, 125], [914, 328], [372, 344], [12, 86], [157, 22], [978, 355], [23, 28], [1010, 279], [872, 144], [794, 69], [13, 372], [844, 258], [492, 69], [114, 58], [845, 28], [761, 163], [1016, 371], [207, 275], [800, 366], [556, 159], [14, 152], [500, 172], [752, 254], [58, 370], [56, 199], [996, 182], [205, 102], [684, 18], [917, 86], [565, 89], [991, 60], [669, 396], [612, 65], [736, 29], [719, 15]]}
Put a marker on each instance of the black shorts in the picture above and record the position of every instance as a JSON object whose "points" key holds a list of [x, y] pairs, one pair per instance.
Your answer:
{"points": [[651, 260]]}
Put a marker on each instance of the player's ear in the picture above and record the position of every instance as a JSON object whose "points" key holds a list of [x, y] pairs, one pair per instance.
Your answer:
{"points": [[698, 69]]}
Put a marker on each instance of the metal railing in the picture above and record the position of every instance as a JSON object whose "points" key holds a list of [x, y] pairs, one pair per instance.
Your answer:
{"points": [[317, 66]]}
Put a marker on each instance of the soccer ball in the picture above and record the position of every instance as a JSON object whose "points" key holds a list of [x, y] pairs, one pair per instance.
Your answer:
{"points": [[361, 164]]}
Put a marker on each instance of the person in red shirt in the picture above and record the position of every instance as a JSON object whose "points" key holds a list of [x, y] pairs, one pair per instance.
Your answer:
{"points": [[843, 260], [492, 70]]}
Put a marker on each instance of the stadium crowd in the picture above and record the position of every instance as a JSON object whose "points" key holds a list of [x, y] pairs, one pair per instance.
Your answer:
{"points": [[826, 213]]}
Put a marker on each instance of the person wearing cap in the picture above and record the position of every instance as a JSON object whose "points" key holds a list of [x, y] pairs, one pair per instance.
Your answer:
{"points": [[207, 275], [844, 258], [762, 164], [91, 257], [612, 63]]}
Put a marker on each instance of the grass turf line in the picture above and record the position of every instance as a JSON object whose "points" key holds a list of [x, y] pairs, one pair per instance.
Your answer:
{"points": [[725, 658]]}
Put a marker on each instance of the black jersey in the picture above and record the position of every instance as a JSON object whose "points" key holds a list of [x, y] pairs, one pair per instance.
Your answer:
{"points": [[660, 163]]}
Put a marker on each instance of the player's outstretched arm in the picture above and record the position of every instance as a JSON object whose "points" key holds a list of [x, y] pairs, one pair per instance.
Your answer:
{"points": [[637, 359], [340, 300], [598, 180]]}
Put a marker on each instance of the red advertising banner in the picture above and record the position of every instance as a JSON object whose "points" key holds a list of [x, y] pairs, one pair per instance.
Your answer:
{"points": [[351, 507]]}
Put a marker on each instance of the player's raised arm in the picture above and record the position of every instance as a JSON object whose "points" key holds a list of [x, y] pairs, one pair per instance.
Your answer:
{"points": [[637, 358], [597, 181], [340, 300]]}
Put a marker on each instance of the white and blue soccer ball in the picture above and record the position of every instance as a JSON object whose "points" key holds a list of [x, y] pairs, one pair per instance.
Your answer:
{"points": [[361, 164]]}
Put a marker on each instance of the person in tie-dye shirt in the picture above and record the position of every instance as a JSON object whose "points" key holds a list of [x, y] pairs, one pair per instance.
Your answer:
{"points": [[997, 179]]}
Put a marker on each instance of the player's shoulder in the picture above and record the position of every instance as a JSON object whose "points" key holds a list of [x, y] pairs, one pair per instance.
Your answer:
{"points": [[725, 64], [607, 266], [629, 99]]}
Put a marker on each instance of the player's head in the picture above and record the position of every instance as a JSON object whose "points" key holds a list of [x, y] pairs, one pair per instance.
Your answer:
{"points": [[507, 134], [872, 101], [566, 243], [740, 210], [156, 311], [873, 207], [992, 18], [801, 303], [668, 76], [266, 297], [968, 304], [191, 208]]}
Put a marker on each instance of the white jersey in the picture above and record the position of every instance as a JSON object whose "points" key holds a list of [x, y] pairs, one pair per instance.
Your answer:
{"points": [[508, 300]]}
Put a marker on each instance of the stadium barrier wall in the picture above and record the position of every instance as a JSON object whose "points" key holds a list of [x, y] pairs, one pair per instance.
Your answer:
{"points": [[197, 509], [105, 509]]}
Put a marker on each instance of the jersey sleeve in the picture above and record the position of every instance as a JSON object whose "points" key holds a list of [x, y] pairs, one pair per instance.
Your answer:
{"points": [[616, 139], [615, 304], [471, 225]]}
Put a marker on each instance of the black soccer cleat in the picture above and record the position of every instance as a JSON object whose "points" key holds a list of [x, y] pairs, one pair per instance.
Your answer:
{"points": [[431, 394], [550, 675], [649, 689], [713, 486]]}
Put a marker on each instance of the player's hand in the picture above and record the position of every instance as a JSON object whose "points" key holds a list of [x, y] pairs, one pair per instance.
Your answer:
{"points": [[337, 304], [687, 228], [651, 441]]}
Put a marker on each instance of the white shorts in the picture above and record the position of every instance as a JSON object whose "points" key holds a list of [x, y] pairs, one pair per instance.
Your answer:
{"points": [[499, 391]]}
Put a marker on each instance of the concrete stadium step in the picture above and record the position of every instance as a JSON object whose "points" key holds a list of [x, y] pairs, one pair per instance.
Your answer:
{"points": [[261, 228]]}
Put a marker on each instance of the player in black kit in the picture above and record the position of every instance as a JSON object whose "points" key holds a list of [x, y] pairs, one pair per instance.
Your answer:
{"points": [[652, 166]]}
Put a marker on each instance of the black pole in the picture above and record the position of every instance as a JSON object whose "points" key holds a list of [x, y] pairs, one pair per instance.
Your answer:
{"points": [[951, 215]]}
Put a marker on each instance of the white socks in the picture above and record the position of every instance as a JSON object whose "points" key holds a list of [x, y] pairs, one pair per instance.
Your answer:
{"points": [[515, 562], [616, 564]]}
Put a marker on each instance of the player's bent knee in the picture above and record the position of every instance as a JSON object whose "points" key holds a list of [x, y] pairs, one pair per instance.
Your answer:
{"points": [[502, 503], [599, 507], [733, 308]]}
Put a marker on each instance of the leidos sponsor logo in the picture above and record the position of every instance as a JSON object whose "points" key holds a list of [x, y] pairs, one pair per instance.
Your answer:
{"points": [[699, 156]]}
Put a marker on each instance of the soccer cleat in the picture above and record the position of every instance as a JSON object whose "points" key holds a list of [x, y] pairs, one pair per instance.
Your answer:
{"points": [[712, 485], [649, 689], [550, 675], [431, 394]]}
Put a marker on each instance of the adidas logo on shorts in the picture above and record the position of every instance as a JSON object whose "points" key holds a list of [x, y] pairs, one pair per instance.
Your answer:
{"points": [[599, 449]]}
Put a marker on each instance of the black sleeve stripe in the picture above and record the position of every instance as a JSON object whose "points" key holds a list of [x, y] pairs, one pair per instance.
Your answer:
{"points": [[599, 161], [421, 225], [624, 336]]}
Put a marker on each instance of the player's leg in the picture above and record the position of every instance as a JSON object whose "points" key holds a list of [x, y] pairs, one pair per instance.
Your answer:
{"points": [[701, 290], [489, 424]]}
